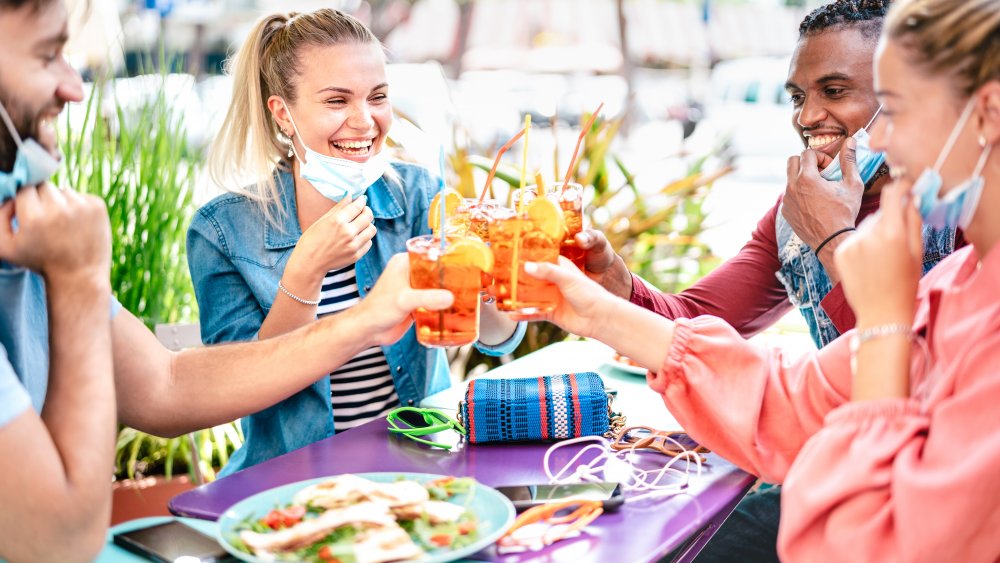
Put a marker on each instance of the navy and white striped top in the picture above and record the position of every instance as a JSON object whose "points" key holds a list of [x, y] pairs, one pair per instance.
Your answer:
{"points": [[362, 389]]}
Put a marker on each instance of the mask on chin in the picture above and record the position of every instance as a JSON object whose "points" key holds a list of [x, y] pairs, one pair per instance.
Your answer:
{"points": [[337, 178], [32, 165], [955, 208], [868, 160]]}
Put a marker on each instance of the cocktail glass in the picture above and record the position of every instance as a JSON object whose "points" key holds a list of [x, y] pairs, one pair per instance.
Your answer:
{"points": [[460, 268]]}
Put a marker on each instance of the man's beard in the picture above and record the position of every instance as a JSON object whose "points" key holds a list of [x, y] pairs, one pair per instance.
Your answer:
{"points": [[26, 127]]}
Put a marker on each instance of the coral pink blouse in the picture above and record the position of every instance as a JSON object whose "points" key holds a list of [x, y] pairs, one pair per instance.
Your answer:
{"points": [[915, 479]]}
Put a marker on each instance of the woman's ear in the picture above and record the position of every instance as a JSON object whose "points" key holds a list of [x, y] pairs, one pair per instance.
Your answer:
{"points": [[989, 115], [279, 111]]}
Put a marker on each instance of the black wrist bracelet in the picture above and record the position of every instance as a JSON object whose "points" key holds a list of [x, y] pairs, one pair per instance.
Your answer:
{"points": [[833, 236]]}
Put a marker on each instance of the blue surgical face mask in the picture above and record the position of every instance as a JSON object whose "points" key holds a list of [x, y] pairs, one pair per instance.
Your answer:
{"points": [[32, 164], [955, 208], [868, 160], [338, 177]]}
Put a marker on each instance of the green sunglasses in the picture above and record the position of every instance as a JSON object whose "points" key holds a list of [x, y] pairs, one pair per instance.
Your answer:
{"points": [[414, 422]]}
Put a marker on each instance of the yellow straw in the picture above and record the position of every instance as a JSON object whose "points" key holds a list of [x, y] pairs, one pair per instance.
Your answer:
{"points": [[520, 210]]}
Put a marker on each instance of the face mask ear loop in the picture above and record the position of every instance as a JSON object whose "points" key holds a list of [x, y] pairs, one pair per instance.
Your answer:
{"points": [[872, 120], [10, 126], [978, 172], [297, 134], [953, 137]]}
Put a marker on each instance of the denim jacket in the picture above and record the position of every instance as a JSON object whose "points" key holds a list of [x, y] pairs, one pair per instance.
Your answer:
{"points": [[236, 259], [807, 284]]}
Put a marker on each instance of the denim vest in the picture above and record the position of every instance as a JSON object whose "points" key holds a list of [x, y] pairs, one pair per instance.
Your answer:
{"points": [[236, 258], [807, 284]]}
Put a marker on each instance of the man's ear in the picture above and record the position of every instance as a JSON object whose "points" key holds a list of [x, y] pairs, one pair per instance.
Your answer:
{"points": [[989, 111], [279, 111]]}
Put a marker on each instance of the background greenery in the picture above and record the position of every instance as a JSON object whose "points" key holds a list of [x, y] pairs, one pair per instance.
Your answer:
{"points": [[138, 161]]}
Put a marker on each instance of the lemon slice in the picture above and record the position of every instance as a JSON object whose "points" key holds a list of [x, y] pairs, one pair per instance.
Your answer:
{"points": [[452, 200], [469, 251], [547, 218]]}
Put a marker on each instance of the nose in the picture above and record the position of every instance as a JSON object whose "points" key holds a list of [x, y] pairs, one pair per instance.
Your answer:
{"points": [[361, 117], [70, 88], [878, 134], [810, 113]]}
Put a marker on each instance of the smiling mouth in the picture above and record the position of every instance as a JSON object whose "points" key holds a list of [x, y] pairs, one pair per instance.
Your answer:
{"points": [[820, 142], [354, 148]]}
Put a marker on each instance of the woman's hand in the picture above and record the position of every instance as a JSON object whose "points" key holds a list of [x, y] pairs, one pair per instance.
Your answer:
{"points": [[337, 239], [584, 304], [880, 265]]}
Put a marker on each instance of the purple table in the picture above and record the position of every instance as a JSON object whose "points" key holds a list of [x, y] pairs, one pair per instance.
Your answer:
{"points": [[642, 532]]}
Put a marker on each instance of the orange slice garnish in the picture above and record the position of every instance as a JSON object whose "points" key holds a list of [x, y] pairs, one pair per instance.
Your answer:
{"points": [[452, 200], [469, 251], [547, 217]]}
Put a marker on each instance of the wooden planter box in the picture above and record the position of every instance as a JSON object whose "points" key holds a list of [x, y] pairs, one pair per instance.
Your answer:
{"points": [[139, 498]]}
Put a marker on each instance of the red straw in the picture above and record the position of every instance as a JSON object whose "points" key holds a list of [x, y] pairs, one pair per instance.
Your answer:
{"points": [[579, 141], [493, 171]]}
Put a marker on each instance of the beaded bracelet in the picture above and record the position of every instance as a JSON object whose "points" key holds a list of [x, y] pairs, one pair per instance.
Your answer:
{"points": [[879, 331], [296, 297]]}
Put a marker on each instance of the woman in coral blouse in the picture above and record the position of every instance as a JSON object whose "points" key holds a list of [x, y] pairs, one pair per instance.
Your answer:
{"points": [[887, 440]]}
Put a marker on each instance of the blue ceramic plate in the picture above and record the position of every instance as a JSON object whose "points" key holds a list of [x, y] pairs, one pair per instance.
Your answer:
{"points": [[494, 512]]}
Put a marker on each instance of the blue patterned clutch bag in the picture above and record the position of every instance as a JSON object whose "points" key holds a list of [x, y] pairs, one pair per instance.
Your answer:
{"points": [[553, 407]]}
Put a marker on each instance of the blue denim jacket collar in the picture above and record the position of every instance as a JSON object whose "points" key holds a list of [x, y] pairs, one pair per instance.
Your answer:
{"points": [[383, 199]]}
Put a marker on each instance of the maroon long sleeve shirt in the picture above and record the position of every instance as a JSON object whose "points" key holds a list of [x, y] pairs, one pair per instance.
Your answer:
{"points": [[744, 290]]}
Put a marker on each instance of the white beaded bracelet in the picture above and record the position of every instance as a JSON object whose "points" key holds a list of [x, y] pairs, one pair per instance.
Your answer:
{"points": [[879, 331], [296, 297]]}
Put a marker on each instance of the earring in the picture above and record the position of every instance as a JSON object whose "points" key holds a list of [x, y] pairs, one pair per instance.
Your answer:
{"points": [[291, 146], [982, 140]]}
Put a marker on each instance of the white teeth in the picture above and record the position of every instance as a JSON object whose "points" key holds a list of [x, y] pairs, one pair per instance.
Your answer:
{"points": [[822, 140], [353, 144]]}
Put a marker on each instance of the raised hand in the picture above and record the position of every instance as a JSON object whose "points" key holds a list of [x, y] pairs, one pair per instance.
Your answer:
{"points": [[61, 234], [584, 304], [880, 265], [387, 307], [603, 265], [337, 239], [817, 208]]}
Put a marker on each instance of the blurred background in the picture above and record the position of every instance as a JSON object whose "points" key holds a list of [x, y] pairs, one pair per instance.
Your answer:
{"points": [[685, 157]]}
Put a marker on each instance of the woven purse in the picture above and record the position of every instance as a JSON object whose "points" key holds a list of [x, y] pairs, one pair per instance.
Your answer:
{"points": [[553, 407]]}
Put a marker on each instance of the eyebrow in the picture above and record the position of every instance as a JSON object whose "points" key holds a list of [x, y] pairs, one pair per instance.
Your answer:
{"points": [[825, 79], [59, 39], [348, 90]]}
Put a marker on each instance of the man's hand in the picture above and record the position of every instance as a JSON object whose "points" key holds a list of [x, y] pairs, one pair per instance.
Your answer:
{"points": [[602, 265], [816, 208], [385, 311], [61, 234]]}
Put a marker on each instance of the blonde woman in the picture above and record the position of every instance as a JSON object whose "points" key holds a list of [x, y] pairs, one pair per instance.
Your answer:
{"points": [[308, 120], [886, 440]]}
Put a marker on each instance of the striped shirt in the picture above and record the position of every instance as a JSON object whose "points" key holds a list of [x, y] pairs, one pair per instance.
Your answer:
{"points": [[362, 389]]}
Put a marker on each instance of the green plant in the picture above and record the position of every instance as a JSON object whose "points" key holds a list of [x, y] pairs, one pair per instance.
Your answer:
{"points": [[138, 161]]}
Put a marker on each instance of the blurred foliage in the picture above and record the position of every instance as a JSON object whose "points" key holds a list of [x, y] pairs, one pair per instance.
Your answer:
{"points": [[657, 234], [138, 161]]}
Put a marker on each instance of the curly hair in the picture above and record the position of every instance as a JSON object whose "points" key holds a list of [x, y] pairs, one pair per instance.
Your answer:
{"points": [[864, 15]]}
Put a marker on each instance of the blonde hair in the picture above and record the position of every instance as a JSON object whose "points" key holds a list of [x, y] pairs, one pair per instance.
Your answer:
{"points": [[250, 142], [955, 38]]}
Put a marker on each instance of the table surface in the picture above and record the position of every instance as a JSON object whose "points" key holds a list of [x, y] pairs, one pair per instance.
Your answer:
{"points": [[641, 531]]}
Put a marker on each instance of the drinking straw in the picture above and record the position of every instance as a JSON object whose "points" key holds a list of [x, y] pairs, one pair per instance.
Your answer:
{"points": [[520, 211], [496, 163], [442, 216], [579, 141]]}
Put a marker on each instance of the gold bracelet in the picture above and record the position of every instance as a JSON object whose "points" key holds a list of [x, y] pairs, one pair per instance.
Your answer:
{"points": [[296, 297]]}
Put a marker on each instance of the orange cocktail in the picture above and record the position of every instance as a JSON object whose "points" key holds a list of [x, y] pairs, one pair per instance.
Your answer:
{"points": [[459, 267], [570, 201], [533, 235]]}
